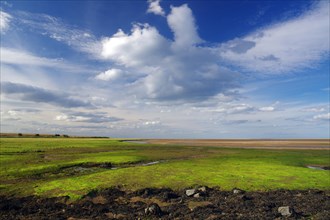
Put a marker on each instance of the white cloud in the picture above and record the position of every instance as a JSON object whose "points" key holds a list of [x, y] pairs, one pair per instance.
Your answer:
{"points": [[267, 109], [227, 108], [161, 69], [155, 8], [61, 117], [322, 117], [4, 21], [242, 108], [144, 46], [64, 117], [12, 113], [285, 46], [110, 75], [152, 123], [13, 56], [182, 23]]}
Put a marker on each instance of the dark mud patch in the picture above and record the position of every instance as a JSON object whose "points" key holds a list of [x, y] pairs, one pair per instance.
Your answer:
{"points": [[87, 168], [150, 203], [134, 141]]}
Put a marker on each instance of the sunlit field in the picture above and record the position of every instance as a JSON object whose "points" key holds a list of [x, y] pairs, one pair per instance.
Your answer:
{"points": [[75, 166]]}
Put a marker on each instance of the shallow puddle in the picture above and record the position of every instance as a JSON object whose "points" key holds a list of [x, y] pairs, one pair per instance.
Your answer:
{"points": [[151, 163], [317, 167], [95, 167]]}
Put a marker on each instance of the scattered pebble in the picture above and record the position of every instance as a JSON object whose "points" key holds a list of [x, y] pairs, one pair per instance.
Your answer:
{"points": [[285, 211], [190, 192]]}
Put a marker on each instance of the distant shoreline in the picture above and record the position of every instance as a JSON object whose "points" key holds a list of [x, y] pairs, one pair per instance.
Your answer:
{"points": [[37, 135], [301, 144]]}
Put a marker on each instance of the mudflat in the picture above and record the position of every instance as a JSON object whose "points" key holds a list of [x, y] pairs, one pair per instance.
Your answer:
{"points": [[310, 144]]}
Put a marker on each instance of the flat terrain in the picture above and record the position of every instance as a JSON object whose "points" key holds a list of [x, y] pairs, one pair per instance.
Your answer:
{"points": [[80, 171], [315, 144], [75, 166]]}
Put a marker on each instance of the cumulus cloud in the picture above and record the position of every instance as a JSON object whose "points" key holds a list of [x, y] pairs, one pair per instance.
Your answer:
{"points": [[39, 95], [161, 68], [155, 8], [144, 46], [182, 23], [284, 46], [4, 21]]}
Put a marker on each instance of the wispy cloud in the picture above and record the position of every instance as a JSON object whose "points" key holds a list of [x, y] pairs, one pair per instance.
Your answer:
{"points": [[267, 109], [285, 46], [95, 117], [40, 95], [322, 116], [4, 21], [23, 58], [81, 40], [110, 75]]}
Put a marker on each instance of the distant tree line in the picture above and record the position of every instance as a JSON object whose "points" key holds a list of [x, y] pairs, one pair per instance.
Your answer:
{"points": [[38, 135]]}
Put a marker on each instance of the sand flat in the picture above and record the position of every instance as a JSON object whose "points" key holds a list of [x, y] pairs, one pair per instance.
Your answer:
{"points": [[308, 144]]}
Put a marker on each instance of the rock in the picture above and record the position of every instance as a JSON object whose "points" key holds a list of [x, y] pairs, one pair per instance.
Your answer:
{"points": [[109, 215], [197, 195], [190, 192], [202, 189], [238, 191], [153, 209], [285, 211]]}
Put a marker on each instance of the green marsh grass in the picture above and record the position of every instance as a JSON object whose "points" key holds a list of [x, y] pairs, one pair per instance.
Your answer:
{"points": [[31, 166]]}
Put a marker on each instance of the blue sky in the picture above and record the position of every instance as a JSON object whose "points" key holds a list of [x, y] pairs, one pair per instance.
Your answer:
{"points": [[166, 69]]}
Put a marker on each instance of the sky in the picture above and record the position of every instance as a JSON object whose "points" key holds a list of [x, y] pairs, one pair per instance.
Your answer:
{"points": [[166, 69]]}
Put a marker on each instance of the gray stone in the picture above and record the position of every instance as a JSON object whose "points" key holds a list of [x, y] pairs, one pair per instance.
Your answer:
{"points": [[197, 195], [285, 211], [238, 191], [202, 189], [190, 192], [153, 209]]}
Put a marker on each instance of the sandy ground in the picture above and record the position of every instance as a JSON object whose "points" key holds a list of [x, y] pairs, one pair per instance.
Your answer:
{"points": [[308, 144]]}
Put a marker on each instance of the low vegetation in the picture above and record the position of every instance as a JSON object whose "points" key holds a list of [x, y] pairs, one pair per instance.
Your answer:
{"points": [[75, 166]]}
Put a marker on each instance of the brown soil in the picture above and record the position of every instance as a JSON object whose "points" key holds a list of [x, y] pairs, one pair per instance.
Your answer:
{"points": [[210, 203], [308, 144]]}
